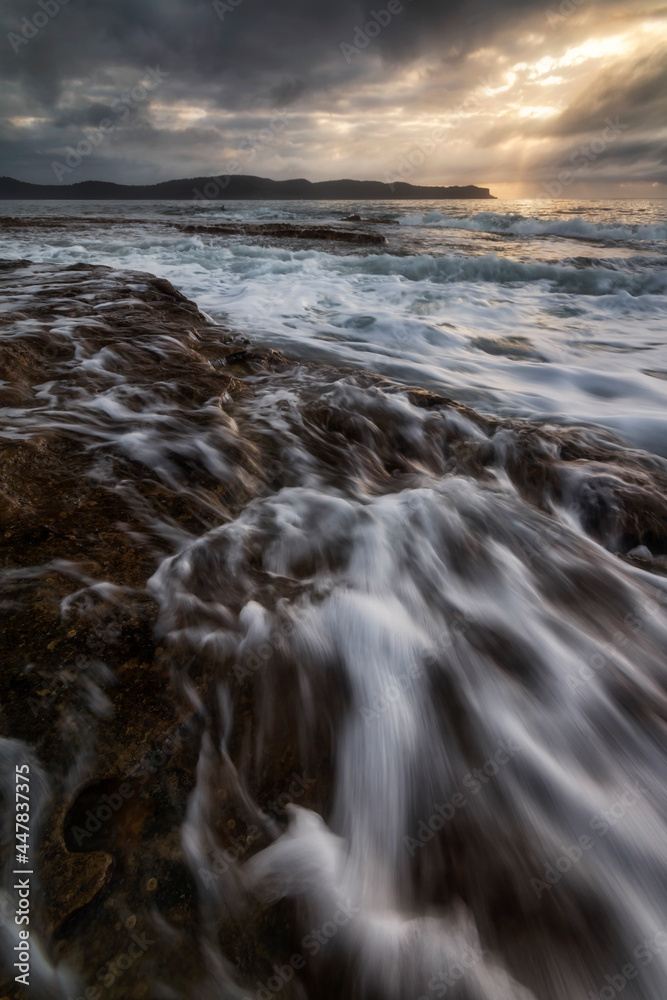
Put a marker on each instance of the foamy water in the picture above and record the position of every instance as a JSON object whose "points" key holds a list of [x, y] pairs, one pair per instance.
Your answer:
{"points": [[436, 639], [554, 309]]}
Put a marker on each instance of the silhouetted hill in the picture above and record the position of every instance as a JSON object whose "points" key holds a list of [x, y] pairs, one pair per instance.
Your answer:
{"points": [[230, 188]]}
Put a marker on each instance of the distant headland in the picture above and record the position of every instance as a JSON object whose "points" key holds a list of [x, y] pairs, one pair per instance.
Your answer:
{"points": [[236, 187]]}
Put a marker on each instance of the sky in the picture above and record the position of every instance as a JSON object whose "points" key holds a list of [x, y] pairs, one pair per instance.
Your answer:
{"points": [[528, 97]]}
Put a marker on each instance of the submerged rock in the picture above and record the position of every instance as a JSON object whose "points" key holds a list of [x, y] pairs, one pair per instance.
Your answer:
{"points": [[289, 230]]}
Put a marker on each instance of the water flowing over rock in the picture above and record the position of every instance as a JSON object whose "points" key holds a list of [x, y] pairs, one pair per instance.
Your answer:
{"points": [[329, 686]]}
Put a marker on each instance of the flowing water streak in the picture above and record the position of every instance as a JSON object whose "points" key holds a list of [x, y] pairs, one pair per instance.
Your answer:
{"points": [[385, 581], [408, 607]]}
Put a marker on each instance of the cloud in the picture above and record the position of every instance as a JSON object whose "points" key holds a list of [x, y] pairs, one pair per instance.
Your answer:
{"points": [[633, 91], [229, 66]]}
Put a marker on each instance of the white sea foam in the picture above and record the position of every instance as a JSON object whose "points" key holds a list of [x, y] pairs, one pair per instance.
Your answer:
{"points": [[511, 222], [519, 309], [476, 683]]}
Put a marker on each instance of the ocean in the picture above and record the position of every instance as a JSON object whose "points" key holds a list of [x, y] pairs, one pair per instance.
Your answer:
{"points": [[540, 309], [349, 564]]}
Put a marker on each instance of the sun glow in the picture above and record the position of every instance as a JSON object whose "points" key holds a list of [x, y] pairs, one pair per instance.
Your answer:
{"points": [[537, 112], [26, 122]]}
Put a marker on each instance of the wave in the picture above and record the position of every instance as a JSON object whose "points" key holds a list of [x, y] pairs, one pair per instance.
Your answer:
{"points": [[577, 276], [520, 225], [602, 279]]}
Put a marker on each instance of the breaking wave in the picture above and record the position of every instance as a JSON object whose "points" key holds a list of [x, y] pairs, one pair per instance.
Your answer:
{"points": [[513, 223]]}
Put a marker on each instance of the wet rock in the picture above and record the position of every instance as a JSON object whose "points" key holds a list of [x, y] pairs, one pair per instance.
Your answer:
{"points": [[153, 440], [382, 219], [289, 230]]}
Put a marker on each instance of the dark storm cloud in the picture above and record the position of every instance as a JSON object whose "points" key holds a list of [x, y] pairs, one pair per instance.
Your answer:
{"points": [[637, 93], [633, 152], [256, 43], [78, 116], [228, 64]]}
